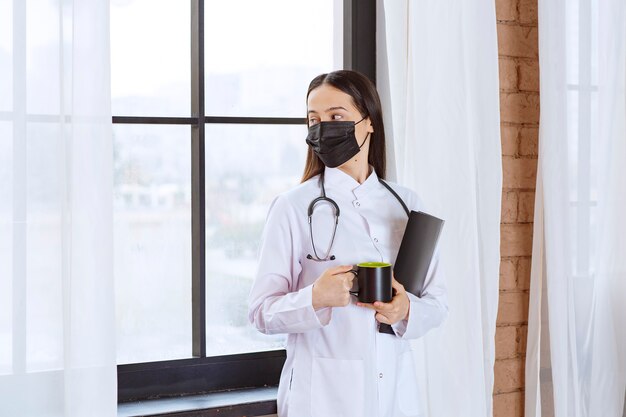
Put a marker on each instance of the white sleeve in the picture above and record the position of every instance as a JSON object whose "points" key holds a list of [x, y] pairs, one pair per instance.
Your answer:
{"points": [[275, 305], [429, 310]]}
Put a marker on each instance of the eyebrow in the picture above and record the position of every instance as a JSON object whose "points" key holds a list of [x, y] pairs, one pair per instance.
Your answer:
{"points": [[329, 109]]}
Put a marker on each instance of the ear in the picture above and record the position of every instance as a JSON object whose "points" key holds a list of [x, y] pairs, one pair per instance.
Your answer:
{"points": [[370, 126]]}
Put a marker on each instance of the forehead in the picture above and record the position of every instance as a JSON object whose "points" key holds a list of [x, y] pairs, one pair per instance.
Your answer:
{"points": [[326, 96]]}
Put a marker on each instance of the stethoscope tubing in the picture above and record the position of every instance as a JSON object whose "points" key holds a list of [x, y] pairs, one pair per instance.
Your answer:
{"points": [[310, 210]]}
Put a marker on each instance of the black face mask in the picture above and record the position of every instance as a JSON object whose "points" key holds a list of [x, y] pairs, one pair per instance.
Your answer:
{"points": [[334, 142]]}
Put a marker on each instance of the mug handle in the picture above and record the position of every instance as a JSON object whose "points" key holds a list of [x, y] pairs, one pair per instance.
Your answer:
{"points": [[355, 271]]}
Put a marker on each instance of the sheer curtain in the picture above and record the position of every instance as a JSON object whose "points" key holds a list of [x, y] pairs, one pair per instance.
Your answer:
{"points": [[57, 352], [438, 77], [576, 360]]}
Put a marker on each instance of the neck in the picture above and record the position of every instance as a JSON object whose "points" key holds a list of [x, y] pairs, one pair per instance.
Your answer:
{"points": [[359, 170]]}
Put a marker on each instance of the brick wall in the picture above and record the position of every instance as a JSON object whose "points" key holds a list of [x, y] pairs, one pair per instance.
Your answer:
{"points": [[519, 111]]}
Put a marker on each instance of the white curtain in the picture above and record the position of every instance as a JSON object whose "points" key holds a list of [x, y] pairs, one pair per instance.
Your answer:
{"points": [[57, 348], [438, 77], [576, 360]]}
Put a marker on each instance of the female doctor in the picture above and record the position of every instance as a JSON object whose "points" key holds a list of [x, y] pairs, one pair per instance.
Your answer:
{"points": [[343, 213]]}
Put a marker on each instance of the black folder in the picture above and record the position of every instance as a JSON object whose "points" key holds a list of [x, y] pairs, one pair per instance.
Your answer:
{"points": [[416, 250], [415, 255]]}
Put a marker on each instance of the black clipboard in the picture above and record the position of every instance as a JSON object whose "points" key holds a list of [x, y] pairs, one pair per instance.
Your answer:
{"points": [[416, 252]]}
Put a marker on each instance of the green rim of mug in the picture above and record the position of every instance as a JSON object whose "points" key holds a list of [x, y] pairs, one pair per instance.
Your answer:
{"points": [[373, 265]]}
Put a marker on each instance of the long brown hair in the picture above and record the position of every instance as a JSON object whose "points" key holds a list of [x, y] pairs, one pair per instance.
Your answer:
{"points": [[366, 100]]}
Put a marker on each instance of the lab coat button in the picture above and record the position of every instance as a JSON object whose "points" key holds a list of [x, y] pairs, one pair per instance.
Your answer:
{"points": [[380, 375], [356, 203], [376, 240]]}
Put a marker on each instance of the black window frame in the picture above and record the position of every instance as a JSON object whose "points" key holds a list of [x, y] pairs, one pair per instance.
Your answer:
{"points": [[202, 374]]}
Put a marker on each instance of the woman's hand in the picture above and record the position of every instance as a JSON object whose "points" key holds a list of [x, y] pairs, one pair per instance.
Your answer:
{"points": [[394, 311], [332, 288]]}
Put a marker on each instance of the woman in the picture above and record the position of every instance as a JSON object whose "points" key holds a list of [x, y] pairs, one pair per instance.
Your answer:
{"points": [[338, 363]]}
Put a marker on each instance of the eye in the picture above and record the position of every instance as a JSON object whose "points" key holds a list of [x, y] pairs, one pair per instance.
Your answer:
{"points": [[313, 121], [336, 117]]}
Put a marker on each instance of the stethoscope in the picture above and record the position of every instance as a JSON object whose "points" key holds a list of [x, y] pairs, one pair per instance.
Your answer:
{"points": [[335, 206]]}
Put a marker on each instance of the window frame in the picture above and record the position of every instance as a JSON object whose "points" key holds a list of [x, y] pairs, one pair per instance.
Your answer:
{"points": [[199, 373]]}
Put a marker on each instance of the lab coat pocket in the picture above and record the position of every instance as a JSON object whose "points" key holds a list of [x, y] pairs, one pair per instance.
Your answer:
{"points": [[407, 388], [337, 388]]}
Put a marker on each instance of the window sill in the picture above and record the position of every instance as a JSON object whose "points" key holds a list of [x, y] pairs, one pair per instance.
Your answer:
{"points": [[248, 402]]}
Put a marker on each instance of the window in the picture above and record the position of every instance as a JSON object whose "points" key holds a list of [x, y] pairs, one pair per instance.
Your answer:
{"points": [[203, 143]]}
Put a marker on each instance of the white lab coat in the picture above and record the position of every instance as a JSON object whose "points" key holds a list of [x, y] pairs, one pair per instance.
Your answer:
{"points": [[337, 363]]}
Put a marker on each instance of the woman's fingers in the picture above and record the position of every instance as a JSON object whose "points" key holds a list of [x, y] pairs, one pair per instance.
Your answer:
{"points": [[340, 269], [347, 280], [396, 285], [378, 306], [391, 312], [332, 288], [382, 319], [384, 307]]}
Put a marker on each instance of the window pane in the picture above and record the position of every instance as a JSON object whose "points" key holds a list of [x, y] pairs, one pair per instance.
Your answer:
{"points": [[152, 214], [246, 167], [150, 57], [261, 55], [6, 246]]}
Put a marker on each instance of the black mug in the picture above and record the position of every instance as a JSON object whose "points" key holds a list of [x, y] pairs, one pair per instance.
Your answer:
{"points": [[374, 282]]}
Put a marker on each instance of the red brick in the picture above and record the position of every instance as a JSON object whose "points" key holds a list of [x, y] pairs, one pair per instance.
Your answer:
{"points": [[529, 75], [508, 74], [512, 308], [526, 206], [519, 111], [517, 41], [522, 336], [509, 375], [528, 12], [529, 141], [510, 404], [509, 135], [509, 207], [519, 173], [523, 273], [506, 10], [506, 342], [519, 107], [508, 274], [516, 239]]}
